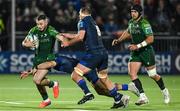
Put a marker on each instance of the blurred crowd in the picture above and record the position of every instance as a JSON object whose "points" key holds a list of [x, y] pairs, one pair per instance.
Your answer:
{"points": [[110, 15]]}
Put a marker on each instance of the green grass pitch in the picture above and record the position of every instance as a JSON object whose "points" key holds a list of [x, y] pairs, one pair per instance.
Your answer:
{"points": [[21, 95]]}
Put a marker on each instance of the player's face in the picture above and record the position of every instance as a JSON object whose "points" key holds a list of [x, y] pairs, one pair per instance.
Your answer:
{"points": [[41, 24], [134, 14]]}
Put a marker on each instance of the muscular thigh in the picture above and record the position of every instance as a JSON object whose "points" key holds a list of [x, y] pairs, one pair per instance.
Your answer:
{"points": [[133, 67]]}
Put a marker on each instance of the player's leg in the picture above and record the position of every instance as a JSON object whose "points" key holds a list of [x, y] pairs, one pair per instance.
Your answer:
{"points": [[101, 89], [151, 70], [46, 101], [77, 77], [133, 68], [46, 65], [120, 100], [148, 59], [39, 79]]}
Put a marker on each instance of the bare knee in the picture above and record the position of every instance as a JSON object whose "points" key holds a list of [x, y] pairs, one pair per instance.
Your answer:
{"points": [[36, 81], [77, 74], [133, 76]]}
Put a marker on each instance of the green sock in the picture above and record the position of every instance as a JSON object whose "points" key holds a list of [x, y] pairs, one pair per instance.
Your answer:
{"points": [[44, 96], [51, 84]]}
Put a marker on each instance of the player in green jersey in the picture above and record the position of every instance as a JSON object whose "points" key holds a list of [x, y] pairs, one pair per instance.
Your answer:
{"points": [[142, 53], [41, 39]]}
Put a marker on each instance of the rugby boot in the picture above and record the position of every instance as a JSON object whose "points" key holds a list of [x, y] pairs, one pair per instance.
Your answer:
{"points": [[86, 98]]}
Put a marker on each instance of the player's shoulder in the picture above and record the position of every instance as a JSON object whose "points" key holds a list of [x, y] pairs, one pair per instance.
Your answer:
{"points": [[145, 22], [130, 21], [51, 28]]}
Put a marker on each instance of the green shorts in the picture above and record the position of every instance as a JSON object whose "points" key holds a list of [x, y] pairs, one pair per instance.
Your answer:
{"points": [[145, 56], [40, 59]]}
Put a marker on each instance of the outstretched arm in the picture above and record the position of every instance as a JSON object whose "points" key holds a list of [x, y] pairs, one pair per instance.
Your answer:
{"points": [[74, 38], [125, 35], [70, 36]]}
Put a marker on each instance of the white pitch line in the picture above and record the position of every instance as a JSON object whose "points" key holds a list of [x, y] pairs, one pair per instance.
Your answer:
{"points": [[13, 103]]}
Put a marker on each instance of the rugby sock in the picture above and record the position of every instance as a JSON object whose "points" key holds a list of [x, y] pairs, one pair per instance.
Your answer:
{"points": [[138, 84], [160, 84], [83, 86], [51, 84], [117, 96], [42, 91], [124, 87]]}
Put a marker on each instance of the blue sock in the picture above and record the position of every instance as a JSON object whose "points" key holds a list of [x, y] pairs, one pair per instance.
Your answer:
{"points": [[124, 87], [117, 96], [83, 86]]}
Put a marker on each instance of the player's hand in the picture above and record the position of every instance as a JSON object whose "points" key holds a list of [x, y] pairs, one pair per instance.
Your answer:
{"points": [[64, 44], [30, 44], [65, 35], [115, 42], [24, 74], [132, 47]]}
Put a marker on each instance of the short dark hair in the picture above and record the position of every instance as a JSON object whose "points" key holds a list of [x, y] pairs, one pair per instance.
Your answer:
{"points": [[42, 17], [86, 10], [137, 7]]}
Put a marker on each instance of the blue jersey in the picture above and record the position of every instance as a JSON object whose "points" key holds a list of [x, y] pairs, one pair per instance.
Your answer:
{"points": [[92, 40]]}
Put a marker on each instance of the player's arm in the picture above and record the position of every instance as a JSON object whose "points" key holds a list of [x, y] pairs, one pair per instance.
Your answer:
{"points": [[125, 35], [147, 41], [69, 36], [74, 38]]}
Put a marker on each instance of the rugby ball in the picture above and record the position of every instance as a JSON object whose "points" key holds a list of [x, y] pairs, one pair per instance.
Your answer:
{"points": [[34, 38]]}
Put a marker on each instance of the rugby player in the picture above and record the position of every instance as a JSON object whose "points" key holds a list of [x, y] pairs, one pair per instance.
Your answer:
{"points": [[142, 53], [96, 57]]}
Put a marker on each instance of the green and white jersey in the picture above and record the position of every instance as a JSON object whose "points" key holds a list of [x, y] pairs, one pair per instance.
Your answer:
{"points": [[44, 51], [139, 30]]}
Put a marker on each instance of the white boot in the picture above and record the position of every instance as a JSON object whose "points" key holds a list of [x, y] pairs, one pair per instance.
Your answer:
{"points": [[142, 99], [166, 95]]}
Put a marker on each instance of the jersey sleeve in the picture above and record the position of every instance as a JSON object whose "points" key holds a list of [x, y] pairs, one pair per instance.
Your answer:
{"points": [[147, 29], [81, 25]]}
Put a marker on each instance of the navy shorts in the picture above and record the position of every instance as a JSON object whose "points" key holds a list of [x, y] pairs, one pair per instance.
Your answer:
{"points": [[93, 61], [65, 64]]}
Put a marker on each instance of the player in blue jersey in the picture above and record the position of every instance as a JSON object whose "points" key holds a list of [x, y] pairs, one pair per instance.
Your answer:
{"points": [[96, 58], [67, 64]]}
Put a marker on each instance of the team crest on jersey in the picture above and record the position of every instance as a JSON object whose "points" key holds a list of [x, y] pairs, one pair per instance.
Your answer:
{"points": [[134, 29], [148, 30]]}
